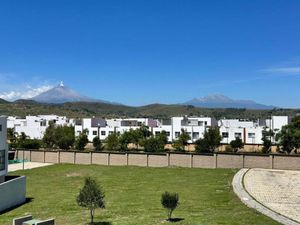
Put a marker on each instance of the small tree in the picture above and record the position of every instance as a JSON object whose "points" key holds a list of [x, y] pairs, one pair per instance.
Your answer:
{"points": [[170, 201], [210, 142], [180, 143], [81, 140], [267, 136], [153, 144], [64, 137], [112, 142], [97, 143], [236, 144], [91, 197]]}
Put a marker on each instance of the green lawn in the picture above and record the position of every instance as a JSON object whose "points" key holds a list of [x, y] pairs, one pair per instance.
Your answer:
{"points": [[133, 196]]}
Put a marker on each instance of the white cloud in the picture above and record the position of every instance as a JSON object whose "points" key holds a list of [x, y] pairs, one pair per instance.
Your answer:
{"points": [[284, 70], [27, 92]]}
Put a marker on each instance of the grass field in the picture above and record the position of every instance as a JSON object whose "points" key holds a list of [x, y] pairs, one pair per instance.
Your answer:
{"points": [[133, 196]]}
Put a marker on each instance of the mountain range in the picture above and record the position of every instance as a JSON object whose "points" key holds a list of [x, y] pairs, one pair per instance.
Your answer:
{"points": [[222, 101], [62, 94]]}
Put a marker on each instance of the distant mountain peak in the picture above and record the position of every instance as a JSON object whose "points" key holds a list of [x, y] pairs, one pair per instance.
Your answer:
{"points": [[222, 101], [62, 94]]}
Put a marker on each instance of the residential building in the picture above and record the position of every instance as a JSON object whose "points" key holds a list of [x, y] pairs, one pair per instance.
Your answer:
{"points": [[35, 126]]}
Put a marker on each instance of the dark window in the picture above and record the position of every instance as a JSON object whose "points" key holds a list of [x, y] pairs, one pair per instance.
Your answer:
{"points": [[95, 132], [238, 135], [0, 127], [177, 134], [2, 159], [168, 134], [225, 134], [103, 133], [157, 132]]}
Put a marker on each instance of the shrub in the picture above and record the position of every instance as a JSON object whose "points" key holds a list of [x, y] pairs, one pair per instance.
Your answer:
{"points": [[91, 197], [81, 140], [170, 201], [236, 144], [97, 144]]}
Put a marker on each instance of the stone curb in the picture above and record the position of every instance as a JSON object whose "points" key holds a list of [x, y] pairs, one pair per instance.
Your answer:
{"points": [[248, 200]]}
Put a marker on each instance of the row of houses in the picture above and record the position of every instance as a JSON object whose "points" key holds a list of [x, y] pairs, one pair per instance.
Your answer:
{"points": [[249, 131]]}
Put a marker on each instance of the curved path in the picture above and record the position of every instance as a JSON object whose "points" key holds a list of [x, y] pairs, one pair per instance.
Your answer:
{"points": [[275, 193]]}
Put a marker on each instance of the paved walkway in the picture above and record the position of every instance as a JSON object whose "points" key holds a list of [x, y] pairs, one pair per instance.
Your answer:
{"points": [[275, 193], [27, 165]]}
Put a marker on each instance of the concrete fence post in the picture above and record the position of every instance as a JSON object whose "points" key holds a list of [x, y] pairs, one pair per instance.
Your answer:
{"points": [[168, 158], [243, 161], [74, 157], [126, 158], [44, 156], [58, 157], [30, 155], [91, 158], [216, 159], [271, 161], [108, 159], [147, 160], [191, 158]]}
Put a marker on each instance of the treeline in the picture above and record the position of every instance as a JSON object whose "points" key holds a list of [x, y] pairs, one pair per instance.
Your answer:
{"points": [[159, 111], [141, 139]]}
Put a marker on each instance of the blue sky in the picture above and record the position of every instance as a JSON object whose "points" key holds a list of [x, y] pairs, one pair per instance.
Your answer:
{"points": [[141, 52]]}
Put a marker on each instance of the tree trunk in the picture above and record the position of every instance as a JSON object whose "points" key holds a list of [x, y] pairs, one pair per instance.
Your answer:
{"points": [[92, 216]]}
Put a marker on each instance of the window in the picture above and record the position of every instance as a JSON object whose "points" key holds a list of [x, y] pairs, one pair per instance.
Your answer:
{"points": [[43, 123], [205, 123], [2, 160], [225, 134], [103, 133], [157, 132], [238, 135], [78, 132], [95, 132], [195, 135], [200, 123], [168, 134], [177, 134], [0, 127], [251, 135], [110, 132]]}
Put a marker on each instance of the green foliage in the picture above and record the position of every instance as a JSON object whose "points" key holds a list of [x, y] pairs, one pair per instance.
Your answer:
{"points": [[289, 136], [236, 144], [64, 137], [112, 142], [267, 136], [154, 144], [97, 144], [12, 138], [49, 139], [91, 197], [30, 144], [210, 142], [82, 140], [160, 111], [170, 201], [180, 143]]}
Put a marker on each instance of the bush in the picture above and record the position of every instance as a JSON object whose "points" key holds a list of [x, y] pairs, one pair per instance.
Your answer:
{"points": [[170, 201], [154, 144], [210, 142], [91, 197], [81, 141], [97, 144], [112, 142], [236, 144], [30, 144]]}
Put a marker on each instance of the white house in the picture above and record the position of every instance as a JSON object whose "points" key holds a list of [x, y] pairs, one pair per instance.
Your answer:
{"points": [[35, 126], [249, 131], [195, 126]]}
